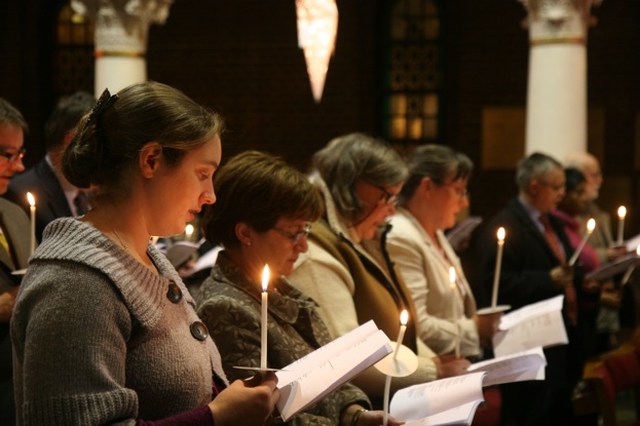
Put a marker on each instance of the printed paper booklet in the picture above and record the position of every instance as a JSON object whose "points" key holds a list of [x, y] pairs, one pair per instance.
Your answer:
{"points": [[313, 376]]}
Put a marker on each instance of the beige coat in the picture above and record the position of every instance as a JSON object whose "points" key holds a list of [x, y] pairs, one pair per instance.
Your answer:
{"points": [[441, 311]]}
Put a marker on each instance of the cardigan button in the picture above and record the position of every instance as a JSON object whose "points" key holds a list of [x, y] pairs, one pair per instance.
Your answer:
{"points": [[174, 294], [199, 330]]}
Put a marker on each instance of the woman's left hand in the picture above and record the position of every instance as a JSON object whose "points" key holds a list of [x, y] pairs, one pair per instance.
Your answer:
{"points": [[375, 418]]}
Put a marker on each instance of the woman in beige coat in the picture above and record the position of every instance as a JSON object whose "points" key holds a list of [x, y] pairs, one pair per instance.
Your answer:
{"points": [[434, 194]]}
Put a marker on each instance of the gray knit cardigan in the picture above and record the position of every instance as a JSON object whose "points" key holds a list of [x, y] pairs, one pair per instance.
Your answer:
{"points": [[97, 340]]}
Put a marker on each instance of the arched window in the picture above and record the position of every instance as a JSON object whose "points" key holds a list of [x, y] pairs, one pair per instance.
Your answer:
{"points": [[73, 53], [414, 78]]}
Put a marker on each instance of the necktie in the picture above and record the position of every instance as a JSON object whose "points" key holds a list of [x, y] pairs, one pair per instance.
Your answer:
{"points": [[81, 203], [552, 239], [569, 292]]}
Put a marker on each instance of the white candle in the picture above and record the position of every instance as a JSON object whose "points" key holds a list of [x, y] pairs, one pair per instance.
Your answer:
{"points": [[622, 212], [454, 307], [404, 318], [591, 225], [496, 274], [188, 231], [385, 401], [32, 208], [263, 339]]}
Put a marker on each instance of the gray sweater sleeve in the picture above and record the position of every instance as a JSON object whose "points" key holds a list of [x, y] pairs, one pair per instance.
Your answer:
{"points": [[84, 379]]}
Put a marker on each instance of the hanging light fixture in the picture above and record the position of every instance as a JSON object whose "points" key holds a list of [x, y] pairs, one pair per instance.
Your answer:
{"points": [[317, 29]]}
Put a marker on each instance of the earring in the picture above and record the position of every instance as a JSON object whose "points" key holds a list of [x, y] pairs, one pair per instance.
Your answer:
{"points": [[248, 243]]}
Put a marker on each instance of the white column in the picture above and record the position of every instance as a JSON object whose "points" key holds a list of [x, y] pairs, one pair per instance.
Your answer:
{"points": [[121, 30], [557, 87]]}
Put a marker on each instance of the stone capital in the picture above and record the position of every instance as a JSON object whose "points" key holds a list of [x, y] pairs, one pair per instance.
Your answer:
{"points": [[122, 26], [558, 21]]}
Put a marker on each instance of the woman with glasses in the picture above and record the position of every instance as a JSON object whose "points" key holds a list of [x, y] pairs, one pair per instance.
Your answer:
{"points": [[262, 217], [432, 197], [347, 270]]}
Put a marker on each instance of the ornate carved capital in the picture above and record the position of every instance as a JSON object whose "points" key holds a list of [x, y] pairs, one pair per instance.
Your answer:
{"points": [[558, 21], [122, 26]]}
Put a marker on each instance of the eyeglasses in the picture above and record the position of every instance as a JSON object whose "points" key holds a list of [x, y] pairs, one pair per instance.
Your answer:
{"points": [[12, 158], [295, 238], [556, 188], [387, 197], [460, 192]]}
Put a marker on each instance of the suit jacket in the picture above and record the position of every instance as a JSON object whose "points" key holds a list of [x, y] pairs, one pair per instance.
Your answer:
{"points": [[42, 182], [426, 273], [524, 277], [15, 224]]}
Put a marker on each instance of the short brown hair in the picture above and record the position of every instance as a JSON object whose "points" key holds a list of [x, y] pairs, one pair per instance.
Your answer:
{"points": [[257, 189]]}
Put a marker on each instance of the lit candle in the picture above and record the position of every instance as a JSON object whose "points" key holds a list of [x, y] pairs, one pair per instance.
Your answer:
{"points": [[32, 208], [263, 341], [454, 307], [404, 318], [591, 225], [622, 212], [496, 274], [188, 231]]}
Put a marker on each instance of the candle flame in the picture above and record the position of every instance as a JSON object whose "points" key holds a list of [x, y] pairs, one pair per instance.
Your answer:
{"points": [[265, 278], [188, 230], [452, 276], [404, 317], [591, 225], [501, 234], [622, 212], [31, 199]]}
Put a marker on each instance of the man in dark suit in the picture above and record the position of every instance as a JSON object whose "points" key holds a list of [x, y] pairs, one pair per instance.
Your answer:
{"points": [[55, 196], [14, 245], [534, 269]]}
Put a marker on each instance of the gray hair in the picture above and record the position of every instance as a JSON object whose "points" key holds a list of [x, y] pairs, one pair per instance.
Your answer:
{"points": [[10, 115], [353, 157], [533, 167], [437, 162]]}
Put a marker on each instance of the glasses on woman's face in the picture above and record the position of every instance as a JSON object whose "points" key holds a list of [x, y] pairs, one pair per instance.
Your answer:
{"points": [[12, 158], [460, 191], [295, 237], [387, 197]]}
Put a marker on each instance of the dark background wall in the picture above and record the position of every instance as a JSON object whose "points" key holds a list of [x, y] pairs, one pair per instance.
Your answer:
{"points": [[241, 58]]}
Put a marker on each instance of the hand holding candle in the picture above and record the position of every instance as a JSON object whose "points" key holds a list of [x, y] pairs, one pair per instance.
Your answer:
{"points": [[32, 208], [622, 212], [591, 225], [496, 274], [263, 325]]}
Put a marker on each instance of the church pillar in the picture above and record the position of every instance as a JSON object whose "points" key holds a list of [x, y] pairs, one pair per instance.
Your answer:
{"points": [[556, 121], [121, 29]]}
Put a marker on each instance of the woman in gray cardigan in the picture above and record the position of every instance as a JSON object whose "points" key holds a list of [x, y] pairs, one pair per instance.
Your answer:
{"points": [[104, 331]]}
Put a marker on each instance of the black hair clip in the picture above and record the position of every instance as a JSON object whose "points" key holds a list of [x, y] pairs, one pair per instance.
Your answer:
{"points": [[103, 103]]}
